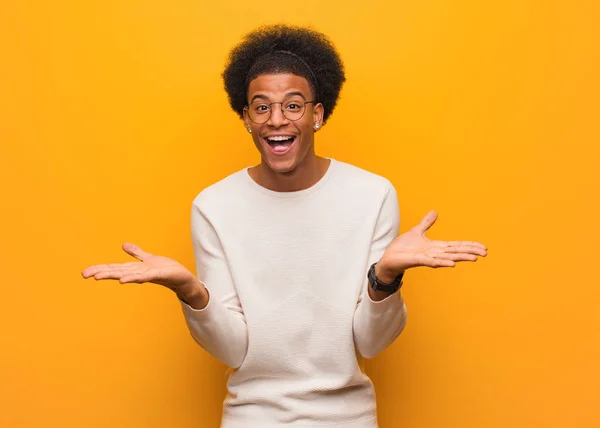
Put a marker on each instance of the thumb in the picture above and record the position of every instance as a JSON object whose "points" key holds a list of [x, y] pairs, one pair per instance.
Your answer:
{"points": [[427, 221], [135, 251]]}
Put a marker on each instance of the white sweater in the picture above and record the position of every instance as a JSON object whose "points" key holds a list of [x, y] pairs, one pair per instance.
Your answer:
{"points": [[289, 309]]}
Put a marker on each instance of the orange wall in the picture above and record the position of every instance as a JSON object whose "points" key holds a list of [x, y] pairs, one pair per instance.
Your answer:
{"points": [[113, 118]]}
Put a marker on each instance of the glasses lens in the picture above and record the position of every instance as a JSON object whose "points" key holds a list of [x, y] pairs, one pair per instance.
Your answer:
{"points": [[293, 109], [259, 111]]}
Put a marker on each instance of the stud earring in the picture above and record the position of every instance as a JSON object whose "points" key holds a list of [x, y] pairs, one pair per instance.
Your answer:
{"points": [[249, 130], [316, 126]]}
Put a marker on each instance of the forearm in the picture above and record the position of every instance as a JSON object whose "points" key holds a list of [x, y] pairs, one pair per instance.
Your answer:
{"points": [[380, 317], [218, 328], [378, 323]]}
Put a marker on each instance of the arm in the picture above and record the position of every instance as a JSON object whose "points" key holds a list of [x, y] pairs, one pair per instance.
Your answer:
{"points": [[219, 325], [379, 318]]}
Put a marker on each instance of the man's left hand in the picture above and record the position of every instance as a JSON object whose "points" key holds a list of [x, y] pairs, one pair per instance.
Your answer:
{"points": [[413, 249]]}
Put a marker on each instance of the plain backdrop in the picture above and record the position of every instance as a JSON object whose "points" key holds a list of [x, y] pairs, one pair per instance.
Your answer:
{"points": [[113, 117]]}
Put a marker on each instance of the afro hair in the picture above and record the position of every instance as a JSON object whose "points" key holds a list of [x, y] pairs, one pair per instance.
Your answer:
{"points": [[278, 49]]}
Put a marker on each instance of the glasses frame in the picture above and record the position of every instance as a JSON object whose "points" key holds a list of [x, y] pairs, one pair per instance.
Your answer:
{"points": [[247, 108]]}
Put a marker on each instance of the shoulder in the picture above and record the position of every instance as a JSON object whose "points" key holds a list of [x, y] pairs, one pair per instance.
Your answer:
{"points": [[357, 181], [222, 193]]}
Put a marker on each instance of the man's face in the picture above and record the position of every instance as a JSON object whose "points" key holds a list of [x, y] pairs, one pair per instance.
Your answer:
{"points": [[282, 143]]}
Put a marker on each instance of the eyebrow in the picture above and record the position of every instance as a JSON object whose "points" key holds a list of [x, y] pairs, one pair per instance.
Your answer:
{"points": [[288, 94]]}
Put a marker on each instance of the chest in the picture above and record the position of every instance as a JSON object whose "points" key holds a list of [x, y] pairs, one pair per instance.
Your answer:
{"points": [[274, 253]]}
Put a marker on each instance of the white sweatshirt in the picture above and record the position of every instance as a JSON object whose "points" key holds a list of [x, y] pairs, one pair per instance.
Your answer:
{"points": [[289, 309]]}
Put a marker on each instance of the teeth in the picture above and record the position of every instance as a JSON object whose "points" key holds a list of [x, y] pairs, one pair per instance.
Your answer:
{"points": [[279, 138]]}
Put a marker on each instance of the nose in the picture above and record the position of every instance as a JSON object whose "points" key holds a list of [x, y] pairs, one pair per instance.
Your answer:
{"points": [[277, 119]]}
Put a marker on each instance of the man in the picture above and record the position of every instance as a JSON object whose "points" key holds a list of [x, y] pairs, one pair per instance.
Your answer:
{"points": [[299, 263]]}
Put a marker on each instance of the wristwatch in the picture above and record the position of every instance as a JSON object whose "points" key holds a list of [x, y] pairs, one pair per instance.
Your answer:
{"points": [[378, 285]]}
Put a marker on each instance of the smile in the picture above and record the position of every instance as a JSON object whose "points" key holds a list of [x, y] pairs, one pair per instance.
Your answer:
{"points": [[280, 144]]}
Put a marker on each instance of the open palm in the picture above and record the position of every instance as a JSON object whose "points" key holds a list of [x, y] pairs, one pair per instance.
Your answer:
{"points": [[413, 248], [151, 268]]}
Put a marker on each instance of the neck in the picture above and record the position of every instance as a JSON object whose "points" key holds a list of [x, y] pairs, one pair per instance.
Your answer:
{"points": [[307, 174]]}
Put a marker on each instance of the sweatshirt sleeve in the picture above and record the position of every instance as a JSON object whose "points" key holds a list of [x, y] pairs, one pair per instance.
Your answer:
{"points": [[378, 324], [220, 328]]}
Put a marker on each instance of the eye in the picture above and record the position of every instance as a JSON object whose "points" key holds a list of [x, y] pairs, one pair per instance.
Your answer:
{"points": [[261, 108], [292, 106]]}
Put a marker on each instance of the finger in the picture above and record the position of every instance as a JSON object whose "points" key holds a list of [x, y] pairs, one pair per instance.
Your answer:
{"points": [[458, 257], [109, 274], [467, 249], [427, 221], [88, 271], [470, 243], [137, 277], [135, 251], [128, 265], [434, 262], [93, 270], [124, 265]]}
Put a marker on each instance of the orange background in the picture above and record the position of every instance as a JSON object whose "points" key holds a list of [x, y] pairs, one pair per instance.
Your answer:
{"points": [[113, 118]]}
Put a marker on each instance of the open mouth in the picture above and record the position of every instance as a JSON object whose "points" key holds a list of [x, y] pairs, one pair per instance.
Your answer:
{"points": [[280, 144]]}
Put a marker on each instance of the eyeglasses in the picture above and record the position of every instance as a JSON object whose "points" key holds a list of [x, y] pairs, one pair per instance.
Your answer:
{"points": [[259, 111]]}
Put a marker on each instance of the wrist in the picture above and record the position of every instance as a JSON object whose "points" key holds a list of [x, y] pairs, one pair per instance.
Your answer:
{"points": [[383, 281], [194, 294], [384, 273]]}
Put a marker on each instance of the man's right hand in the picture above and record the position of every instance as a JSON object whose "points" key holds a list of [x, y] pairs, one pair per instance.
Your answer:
{"points": [[155, 269]]}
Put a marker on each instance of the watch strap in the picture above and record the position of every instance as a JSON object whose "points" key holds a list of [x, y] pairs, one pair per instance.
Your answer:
{"points": [[377, 285]]}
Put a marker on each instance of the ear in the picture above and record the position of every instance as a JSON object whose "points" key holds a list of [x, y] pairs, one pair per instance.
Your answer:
{"points": [[318, 112], [247, 121]]}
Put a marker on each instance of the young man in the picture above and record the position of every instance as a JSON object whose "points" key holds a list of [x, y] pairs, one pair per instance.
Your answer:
{"points": [[298, 259]]}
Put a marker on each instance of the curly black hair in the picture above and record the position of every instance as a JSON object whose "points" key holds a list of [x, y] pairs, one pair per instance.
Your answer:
{"points": [[276, 49]]}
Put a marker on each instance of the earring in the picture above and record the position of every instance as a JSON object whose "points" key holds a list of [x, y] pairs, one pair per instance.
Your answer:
{"points": [[316, 126], [249, 130]]}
